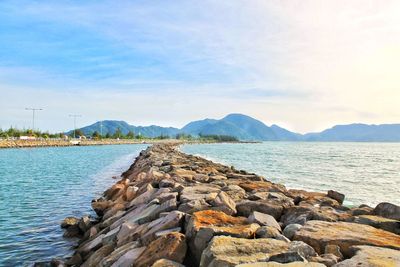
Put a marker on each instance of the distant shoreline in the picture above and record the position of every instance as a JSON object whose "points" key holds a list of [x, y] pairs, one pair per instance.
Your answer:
{"points": [[65, 143]]}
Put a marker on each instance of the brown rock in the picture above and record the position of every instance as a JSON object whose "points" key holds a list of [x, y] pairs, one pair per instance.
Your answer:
{"points": [[339, 197], [166, 263], [250, 186], [170, 246], [231, 251], [69, 221], [203, 225], [372, 257], [318, 234]]}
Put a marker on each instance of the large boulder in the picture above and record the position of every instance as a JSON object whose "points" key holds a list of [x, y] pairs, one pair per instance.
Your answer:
{"points": [[204, 225], [319, 234], [372, 257], [387, 210], [230, 251], [171, 246], [263, 219], [304, 213], [224, 203], [379, 222], [172, 220], [271, 207], [199, 192]]}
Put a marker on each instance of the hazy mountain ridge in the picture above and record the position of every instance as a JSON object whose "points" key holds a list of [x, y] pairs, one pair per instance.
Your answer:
{"points": [[247, 128]]}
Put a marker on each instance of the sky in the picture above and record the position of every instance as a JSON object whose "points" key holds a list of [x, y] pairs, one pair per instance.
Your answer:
{"points": [[304, 65]]}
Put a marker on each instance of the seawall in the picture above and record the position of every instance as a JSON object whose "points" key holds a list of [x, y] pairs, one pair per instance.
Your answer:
{"points": [[174, 209]]}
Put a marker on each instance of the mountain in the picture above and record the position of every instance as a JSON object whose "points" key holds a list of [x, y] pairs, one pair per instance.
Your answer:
{"points": [[111, 126], [241, 126], [244, 127], [285, 135], [358, 132]]}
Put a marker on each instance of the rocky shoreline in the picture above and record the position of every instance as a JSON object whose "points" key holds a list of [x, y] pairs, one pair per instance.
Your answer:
{"points": [[174, 209]]}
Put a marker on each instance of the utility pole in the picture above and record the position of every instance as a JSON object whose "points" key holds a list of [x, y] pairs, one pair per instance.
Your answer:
{"points": [[101, 129], [33, 116], [75, 116]]}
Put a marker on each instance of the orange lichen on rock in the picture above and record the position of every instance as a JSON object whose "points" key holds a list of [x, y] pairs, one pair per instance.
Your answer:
{"points": [[216, 218]]}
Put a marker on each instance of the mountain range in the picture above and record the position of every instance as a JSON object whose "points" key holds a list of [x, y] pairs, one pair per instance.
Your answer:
{"points": [[247, 128]]}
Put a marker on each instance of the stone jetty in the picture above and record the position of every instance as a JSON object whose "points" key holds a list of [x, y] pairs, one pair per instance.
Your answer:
{"points": [[173, 209]]}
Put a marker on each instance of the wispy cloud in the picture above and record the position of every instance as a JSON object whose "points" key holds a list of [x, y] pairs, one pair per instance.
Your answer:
{"points": [[305, 64]]}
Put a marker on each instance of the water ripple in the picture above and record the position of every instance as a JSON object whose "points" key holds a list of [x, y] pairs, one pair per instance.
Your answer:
{"points": [[41, 186]]}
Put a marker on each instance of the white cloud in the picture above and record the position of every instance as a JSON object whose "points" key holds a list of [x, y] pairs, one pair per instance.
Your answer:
{"points": [[332, 62]]}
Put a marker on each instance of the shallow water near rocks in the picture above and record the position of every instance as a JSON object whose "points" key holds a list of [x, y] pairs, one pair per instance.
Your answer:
{"points": [[367, 173], [39, 187]]}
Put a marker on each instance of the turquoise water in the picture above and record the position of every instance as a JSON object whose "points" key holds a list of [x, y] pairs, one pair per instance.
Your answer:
{"points": [[367, 173], [41, 186]]}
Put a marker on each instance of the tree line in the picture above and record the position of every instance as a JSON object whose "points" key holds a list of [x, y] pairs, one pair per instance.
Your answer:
{"points": [[118, 134]]}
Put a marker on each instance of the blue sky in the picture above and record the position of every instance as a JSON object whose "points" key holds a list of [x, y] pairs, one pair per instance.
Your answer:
{"points": [[300, 64]]}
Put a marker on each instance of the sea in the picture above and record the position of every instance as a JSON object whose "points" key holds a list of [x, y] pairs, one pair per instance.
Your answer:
{"points": [[39, 187]]}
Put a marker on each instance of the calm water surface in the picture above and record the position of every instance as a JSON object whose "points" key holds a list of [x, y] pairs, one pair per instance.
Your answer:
{"points": [[366, 173], [39, 187]]}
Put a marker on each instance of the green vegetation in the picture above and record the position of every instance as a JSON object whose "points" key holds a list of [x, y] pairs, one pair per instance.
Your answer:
{"points": [[16, 133], [118, 134], [218, 138]]}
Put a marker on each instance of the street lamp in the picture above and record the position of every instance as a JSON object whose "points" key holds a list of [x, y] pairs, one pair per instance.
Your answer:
{"points": [[33, 116], [75, 116]]}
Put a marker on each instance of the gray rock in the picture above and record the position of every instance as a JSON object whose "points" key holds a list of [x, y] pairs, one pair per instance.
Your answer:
{"points": [[199, 192], [267, 232], [166, 183], [110, 237], [302, 248], [263, 220], [291, 229], [172, 220], [387, 210], [91, 245], [224, 203], [129, 257], [117, 253], [271, 207], [98, 255], [286, 257], [193, 206]]}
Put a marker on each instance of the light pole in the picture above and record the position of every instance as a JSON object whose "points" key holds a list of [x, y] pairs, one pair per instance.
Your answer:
{"points": [[33, 116], [75, 116]]}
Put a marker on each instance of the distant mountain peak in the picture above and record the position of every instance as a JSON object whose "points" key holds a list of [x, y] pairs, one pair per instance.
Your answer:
{"points": [[245, 127]]}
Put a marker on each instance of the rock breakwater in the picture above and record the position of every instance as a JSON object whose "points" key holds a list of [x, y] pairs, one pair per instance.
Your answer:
{"points": [[174, 209]]}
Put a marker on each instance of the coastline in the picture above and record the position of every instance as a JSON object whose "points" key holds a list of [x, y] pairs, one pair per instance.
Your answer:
{"points": [[64, 143], [206, 214]]}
